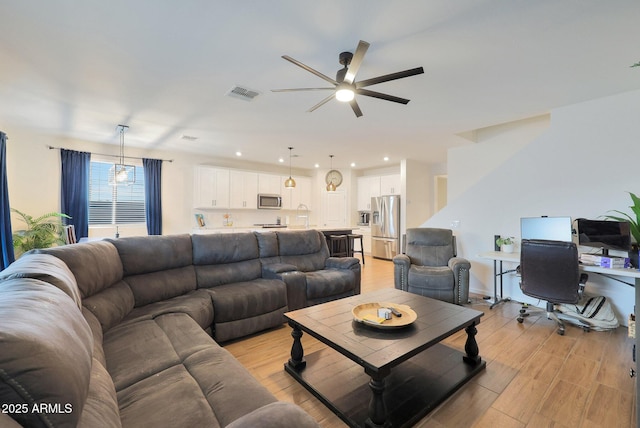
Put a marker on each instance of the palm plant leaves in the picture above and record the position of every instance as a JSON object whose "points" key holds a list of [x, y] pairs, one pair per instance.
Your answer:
{"points": [[41, 232], [633, 222]]}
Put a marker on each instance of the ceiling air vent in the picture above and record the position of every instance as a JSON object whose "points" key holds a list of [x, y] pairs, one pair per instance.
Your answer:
{"points": [[243, 93]]}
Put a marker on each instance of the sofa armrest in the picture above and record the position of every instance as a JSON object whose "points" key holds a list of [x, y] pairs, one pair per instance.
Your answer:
{"points": [[273, 270], [460, 267], [295, 281], [341, 262], [401, 265], [276, 415]]}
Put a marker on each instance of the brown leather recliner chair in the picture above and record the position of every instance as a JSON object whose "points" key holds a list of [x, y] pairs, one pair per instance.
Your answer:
{"points": [[430, 266]]}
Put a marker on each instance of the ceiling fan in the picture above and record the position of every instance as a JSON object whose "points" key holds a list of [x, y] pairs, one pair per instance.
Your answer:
{"points": [[345, 87]]}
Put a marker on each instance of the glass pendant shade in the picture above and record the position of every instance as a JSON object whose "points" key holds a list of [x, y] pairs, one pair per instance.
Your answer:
{"points": [[121, 174], [290, 183], [330, 186]]}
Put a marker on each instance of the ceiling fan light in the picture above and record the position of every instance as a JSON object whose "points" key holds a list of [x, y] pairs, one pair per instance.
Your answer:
{"points": [[345, 94]]}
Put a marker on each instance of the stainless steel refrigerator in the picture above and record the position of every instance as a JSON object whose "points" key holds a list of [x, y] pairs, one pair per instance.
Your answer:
{"points": [[385, 226]]}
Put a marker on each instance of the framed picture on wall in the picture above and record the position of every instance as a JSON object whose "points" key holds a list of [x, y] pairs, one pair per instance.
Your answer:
{"points": [[200, 220]]}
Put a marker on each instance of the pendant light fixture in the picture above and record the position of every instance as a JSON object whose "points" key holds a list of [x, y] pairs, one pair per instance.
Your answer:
{"points": [[331, 187], [121, 174], [290, 183]]}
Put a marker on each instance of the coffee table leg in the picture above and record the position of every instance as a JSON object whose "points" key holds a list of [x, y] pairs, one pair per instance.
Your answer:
{"points": [[377, 408], [296, 361], [471, 346]]}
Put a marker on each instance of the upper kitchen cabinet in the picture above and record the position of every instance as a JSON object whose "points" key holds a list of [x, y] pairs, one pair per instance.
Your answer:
{"points": [[244, 189], [211, 187], [301, 194], [390, 184], [368, 187], [269, 184]]}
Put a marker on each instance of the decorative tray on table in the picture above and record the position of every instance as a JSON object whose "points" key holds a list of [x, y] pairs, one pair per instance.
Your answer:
{"points": [[367, 313]]}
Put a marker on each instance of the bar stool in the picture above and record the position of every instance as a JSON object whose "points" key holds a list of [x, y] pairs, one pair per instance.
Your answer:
{"points": [[338, 245], [352, 237]]}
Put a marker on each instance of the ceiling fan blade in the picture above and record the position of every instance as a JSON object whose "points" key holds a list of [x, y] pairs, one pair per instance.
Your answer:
{"points": [[302, 89], [321, 103], [381, 96], [309, 69], [355, 107], [356, 61], [388, 77]]}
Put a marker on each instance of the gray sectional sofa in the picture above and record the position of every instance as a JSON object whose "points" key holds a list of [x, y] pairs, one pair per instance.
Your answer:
{"points": [[118, 333]]}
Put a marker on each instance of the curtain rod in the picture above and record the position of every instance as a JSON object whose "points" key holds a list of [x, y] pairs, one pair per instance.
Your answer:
{"points": [[103, 154]]}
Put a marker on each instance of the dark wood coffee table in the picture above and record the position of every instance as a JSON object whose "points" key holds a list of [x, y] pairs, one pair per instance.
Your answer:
{"points": [[425, 372]]}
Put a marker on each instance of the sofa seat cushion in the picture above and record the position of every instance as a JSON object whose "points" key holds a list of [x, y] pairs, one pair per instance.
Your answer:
{"points": [[435, 278], [169, 372], [329, 282], [197, 304], [276, 415], [242, 300], [101, 407]]}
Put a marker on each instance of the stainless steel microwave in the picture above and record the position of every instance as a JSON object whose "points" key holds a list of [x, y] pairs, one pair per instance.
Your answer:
{"points": [[269, 202]]}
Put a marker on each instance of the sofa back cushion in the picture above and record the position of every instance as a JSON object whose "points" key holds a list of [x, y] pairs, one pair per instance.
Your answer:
{"points": [[98, 271], [307, 249], [96, 265], [47, 268], [223, 258], [157, 267], [430, 246], [268, 247], [46, 353]]}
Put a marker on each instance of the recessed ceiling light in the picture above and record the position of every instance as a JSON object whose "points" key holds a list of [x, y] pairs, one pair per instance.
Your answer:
{"points": [[281, 160], [353, 164], [317, 165], [386, 158], [238, 154]]}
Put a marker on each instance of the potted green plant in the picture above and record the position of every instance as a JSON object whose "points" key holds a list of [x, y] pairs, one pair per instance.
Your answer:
{"points": [[634, 221], [41, 232], [506, 244]]}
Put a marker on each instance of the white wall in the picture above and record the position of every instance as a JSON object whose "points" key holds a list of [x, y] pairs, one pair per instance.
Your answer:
{"points": [[496, 144], [582, 166]]}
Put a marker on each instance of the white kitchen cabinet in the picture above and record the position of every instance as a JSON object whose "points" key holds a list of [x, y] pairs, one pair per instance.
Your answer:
{"points": [[243, 189], [390, 184], [301, 194], [269, 183], [368, 187], [211, 187]]}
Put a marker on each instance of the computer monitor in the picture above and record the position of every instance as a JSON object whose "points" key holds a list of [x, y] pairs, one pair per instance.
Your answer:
{"points": [[549, 228], [604, 234]]}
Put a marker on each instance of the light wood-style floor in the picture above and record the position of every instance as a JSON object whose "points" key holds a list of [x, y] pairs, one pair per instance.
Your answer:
{"points": [[534, 377]]}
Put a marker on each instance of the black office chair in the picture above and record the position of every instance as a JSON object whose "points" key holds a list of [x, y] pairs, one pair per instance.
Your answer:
{"points": [[549, 271]]}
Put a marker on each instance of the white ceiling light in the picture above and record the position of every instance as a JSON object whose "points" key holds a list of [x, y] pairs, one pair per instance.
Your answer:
{"points": [[345, 93], [121, 174]]}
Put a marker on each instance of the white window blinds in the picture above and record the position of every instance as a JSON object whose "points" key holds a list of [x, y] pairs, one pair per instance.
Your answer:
{"points": [[114, 205]]}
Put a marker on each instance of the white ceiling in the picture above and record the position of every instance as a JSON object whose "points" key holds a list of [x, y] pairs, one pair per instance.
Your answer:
{"points": [[77, 69]]}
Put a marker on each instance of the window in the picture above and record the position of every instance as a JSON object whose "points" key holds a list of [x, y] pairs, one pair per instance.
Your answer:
{"points": [[114, 205]]}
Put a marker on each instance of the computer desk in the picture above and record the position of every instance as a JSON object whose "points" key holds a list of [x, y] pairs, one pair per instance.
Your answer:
{"points": [[500, 257]]}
